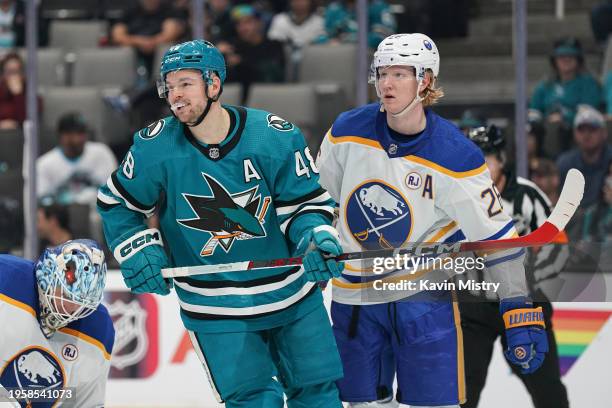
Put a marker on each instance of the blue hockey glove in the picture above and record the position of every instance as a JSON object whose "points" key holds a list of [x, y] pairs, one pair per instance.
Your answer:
{"points": [[323, 242], [142, 258], [525, 334]]}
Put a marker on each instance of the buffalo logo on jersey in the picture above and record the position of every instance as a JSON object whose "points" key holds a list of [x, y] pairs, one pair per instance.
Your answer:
{"points": [[378, 216], [227, 217], [36, 369], [152, 130], [279, 123]]}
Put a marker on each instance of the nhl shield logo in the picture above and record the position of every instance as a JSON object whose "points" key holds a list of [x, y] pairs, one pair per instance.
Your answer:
{"points": [[393, 148], [131, 342], [213, 153]]}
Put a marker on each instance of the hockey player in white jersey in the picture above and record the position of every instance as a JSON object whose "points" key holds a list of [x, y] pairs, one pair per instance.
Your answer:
{"points": [[56, 337], [401, 174]]}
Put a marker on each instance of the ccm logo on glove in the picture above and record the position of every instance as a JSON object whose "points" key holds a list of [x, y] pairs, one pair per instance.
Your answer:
{"points": [[142, 239]]}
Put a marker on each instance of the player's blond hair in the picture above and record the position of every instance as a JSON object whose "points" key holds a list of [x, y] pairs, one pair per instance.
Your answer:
{"points": [[432, 93]]}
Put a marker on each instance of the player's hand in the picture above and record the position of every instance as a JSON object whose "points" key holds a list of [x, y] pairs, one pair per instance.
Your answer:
{"points": [[142, 258], [323, 242], [525, 334]]}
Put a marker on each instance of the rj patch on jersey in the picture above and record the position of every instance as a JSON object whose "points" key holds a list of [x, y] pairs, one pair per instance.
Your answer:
{"points": [[227, 217], [378, 215]]}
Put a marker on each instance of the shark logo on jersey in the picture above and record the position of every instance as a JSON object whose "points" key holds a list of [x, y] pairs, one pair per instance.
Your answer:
{"points": [[279, 123], [378, 216], [34, 368], [227, 217]]}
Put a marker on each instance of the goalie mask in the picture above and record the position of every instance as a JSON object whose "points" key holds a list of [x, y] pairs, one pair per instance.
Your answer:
{"points": [[71, 280], [413, 50]]}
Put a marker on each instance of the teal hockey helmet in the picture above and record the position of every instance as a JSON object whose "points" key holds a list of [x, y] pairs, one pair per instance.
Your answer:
{"points": [[196, 54]]}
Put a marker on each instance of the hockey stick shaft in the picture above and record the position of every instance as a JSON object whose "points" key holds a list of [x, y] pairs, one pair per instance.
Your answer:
{"points": [[569, 199]]}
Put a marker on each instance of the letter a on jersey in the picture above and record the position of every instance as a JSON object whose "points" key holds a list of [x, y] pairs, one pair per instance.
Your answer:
{"points": [[227, 217]]}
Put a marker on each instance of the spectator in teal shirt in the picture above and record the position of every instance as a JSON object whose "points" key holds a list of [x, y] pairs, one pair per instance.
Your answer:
{"points": [[341, 22], [557, 97]]}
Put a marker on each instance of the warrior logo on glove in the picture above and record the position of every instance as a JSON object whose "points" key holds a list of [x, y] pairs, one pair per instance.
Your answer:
{"points": [[227, 217]]}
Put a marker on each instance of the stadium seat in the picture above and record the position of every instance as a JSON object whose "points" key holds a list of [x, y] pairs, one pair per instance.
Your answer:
{"points": [[69, 9], [69, 35], [293, 102], [51, 68], [114, 66], [86, 100], [11, 150], [113, 10], [330, 63], [11, 185]]}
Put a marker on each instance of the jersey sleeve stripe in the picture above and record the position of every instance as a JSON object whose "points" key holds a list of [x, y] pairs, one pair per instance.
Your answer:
{"points": [[503, 259], [105, 202], [117, 189], [442, 232], [320, 192], [324, 201], [326, 211], [501, 232]]}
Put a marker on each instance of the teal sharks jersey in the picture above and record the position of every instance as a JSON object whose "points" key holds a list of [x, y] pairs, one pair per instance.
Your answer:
{"points": [[252, 197]]}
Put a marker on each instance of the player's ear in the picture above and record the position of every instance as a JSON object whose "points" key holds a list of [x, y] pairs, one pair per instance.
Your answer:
{"points": [[426, 80], [215, 90]]}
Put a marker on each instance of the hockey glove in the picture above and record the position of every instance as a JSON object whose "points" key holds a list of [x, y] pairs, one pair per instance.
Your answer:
{"points": [[323, 242], [142, 258], [525, 333]]}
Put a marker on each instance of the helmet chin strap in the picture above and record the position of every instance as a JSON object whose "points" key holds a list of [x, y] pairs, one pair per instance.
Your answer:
{"points": [[209, 102]]}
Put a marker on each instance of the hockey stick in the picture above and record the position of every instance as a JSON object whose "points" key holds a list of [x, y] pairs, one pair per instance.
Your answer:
{"points": [[569, 199]]}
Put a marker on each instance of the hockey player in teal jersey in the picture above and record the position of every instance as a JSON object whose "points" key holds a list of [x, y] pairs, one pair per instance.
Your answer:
{"points": [[238, 184]]}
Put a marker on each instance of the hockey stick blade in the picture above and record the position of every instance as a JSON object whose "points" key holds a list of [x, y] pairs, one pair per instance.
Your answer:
{"points": [[569, 199]]}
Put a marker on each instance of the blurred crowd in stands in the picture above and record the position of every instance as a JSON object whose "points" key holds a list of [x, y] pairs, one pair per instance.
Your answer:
{"points": [[570, 112]]}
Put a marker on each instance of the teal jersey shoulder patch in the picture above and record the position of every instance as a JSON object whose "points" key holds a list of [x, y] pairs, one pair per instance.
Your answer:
{"points": [[278, 123], [153, 129]]}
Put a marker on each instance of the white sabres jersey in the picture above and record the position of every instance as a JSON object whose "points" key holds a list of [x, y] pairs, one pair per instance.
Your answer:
{"points": [[76, 359], [433, 187]]}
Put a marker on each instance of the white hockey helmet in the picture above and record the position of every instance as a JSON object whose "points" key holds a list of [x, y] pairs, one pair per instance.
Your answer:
{"points": [[414, 50]]}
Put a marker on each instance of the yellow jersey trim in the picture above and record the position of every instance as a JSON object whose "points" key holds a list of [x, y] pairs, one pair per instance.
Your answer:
{"points": [[18, 304], [424, 162]]}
